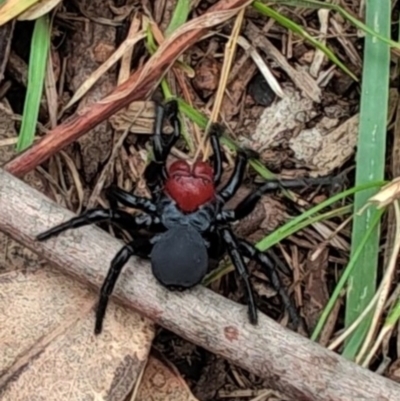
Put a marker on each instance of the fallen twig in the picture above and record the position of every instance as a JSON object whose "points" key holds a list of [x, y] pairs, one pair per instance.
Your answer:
{"points": [[137, 87], [292, 364]]}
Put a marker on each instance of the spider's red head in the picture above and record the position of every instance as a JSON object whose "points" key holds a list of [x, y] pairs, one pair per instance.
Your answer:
{"points": [[190, 186]]}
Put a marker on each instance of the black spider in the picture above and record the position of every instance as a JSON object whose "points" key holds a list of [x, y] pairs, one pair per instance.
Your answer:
{"points": [[187, 218]]}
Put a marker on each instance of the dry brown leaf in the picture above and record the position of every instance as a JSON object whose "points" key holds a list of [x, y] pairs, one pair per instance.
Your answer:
{"points": [[49, 351], [316, 293], [162, 382]]}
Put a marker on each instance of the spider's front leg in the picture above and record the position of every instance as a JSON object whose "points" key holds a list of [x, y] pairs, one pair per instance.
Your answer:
{"points": [[137, 247], [242, 158], [117, 195], [155, 172], [120, 218], [236, 179], [216, 131]]}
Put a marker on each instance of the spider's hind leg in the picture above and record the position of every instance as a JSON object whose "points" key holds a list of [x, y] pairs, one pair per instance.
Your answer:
{"points": [[253, 253], [155, 172], [233, 249]]}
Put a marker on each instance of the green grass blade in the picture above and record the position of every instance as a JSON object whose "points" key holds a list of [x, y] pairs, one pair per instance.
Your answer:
{"points": [[179, 16], [394, 315], [346, 273], [370, 163], [292, 26], [196, 116], [36, 73], [345, 14], [297, 223]]}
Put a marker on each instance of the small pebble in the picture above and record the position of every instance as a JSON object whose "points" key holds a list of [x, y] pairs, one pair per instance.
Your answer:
{"points": [[260, 91]]}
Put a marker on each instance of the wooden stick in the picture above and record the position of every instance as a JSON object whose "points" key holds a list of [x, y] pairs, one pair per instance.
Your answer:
{"points": [[291, 363], [137, 87]]}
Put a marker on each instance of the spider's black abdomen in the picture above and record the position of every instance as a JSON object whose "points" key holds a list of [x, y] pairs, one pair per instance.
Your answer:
{"points": [[179, 258]]}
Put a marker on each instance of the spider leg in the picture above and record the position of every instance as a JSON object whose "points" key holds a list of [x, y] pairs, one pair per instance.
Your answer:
{"points": [[229, 190], [117, 195], [233, 249], [118, 217], [162, 144], [216, 131], [252, 253], [119, 261], [247, 205]]}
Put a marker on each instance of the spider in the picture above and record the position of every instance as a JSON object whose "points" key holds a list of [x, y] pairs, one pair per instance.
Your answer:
{"points": [[185, 219]]}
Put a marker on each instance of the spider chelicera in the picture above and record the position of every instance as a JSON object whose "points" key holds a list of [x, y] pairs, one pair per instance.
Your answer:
{"points": [[185, 218]]}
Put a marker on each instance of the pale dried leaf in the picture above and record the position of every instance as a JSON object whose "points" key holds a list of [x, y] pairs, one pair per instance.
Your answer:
{"points": [[128, 118], [48, 346], [387, 195], [126, 59], [328, 233], [162, 382], [12, 8], [126, 45], [394, 371], [39, 9], [319, 55]]}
